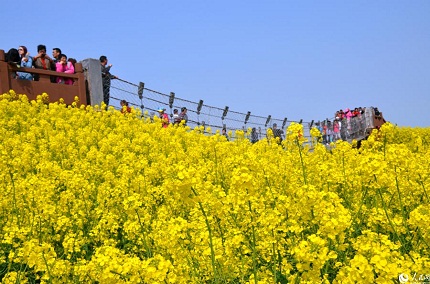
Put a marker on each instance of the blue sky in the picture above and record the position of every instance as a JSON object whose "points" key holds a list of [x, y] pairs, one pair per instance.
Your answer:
{"points": [[295, 59]]}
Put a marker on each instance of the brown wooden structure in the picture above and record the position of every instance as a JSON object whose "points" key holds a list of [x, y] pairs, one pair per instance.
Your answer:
{"points": [[34, 88]]}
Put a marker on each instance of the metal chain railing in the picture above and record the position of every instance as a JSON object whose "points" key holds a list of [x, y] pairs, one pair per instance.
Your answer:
{"points": [[150, 101]]}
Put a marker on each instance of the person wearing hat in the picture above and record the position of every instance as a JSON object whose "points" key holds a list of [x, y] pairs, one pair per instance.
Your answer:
{"points": [[183, 115], [164, 117]]}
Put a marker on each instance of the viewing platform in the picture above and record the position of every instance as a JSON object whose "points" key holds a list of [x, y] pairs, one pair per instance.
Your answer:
{"points": [[44, 85]]}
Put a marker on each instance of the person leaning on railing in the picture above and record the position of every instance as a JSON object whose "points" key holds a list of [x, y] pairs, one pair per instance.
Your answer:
{"points": [[41, 60], [64, 66], [25, 61], [12, 57]]}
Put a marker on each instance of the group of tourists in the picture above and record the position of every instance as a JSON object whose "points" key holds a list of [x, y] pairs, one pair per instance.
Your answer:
{"points": [[58, 62], [347, 124], [349, 113], [177, 117]]}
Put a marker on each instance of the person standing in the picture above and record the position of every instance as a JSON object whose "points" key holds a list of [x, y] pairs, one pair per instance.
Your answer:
{"points": [[254, 135], [224, 133], [12, 57], [56, 52], [277, 133], [164, 117], [106, 78], [176, 119], [42, 61], [336, 130], [124, 107], [183, 115], [26, 61], [65, 67]]}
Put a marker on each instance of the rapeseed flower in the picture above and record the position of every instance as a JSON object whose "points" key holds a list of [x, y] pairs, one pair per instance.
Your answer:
{"points": [[93, 195]]}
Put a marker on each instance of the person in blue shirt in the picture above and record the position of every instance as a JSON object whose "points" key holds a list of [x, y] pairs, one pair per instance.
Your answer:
{"points": [[26, 61]]}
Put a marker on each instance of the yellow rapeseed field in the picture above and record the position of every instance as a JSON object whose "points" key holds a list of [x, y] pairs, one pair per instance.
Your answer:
{"points": [[96, 196]]}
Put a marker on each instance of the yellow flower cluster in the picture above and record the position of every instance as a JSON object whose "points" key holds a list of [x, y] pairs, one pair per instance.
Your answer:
{"points": [[96, 196]]}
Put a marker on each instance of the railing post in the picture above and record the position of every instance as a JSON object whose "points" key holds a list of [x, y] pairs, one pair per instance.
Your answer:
{"points": [[82, 92], [140, 94], [224, 114], [247, 116], [268, 120], [285, 123], [93, 76], [199, 107], [4, 74], [171, 101]]}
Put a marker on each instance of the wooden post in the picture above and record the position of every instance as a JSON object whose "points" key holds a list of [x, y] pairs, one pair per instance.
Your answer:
{"points": [[82, 94], [4, 74]]}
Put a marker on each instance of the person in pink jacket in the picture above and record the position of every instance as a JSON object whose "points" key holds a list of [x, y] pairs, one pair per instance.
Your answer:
{"points": [[348, 115], [65, 67], [336, 130]]}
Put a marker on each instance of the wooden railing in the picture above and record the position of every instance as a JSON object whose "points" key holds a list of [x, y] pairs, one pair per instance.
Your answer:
{"points": [[34, 88]]}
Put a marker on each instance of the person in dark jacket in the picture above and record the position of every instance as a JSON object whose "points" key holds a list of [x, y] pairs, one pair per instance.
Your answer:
{"points": [[183, 115], [254, 135], [42, 61], [277, 132], [106, 78], [12, 57]]}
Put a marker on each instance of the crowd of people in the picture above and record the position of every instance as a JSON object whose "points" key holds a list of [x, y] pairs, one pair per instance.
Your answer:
{"points": [[59, 62], [177, 117], [347, 123]]}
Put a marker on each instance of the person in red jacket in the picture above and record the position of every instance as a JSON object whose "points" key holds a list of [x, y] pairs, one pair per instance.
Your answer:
{"points": [[124, 107]]}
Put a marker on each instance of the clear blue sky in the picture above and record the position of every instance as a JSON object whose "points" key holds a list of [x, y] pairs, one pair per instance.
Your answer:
{"points": [[295, 59]]}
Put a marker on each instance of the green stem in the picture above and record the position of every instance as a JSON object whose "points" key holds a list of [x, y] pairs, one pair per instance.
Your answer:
{"points": [[210, 237], [422, 185], [343, 168], [385, 145], [15, 208], [301, 161], [254, 262], [400, 200], [388, 217], [274, 259], [361, 205], [145, 243], [47, 268]]}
